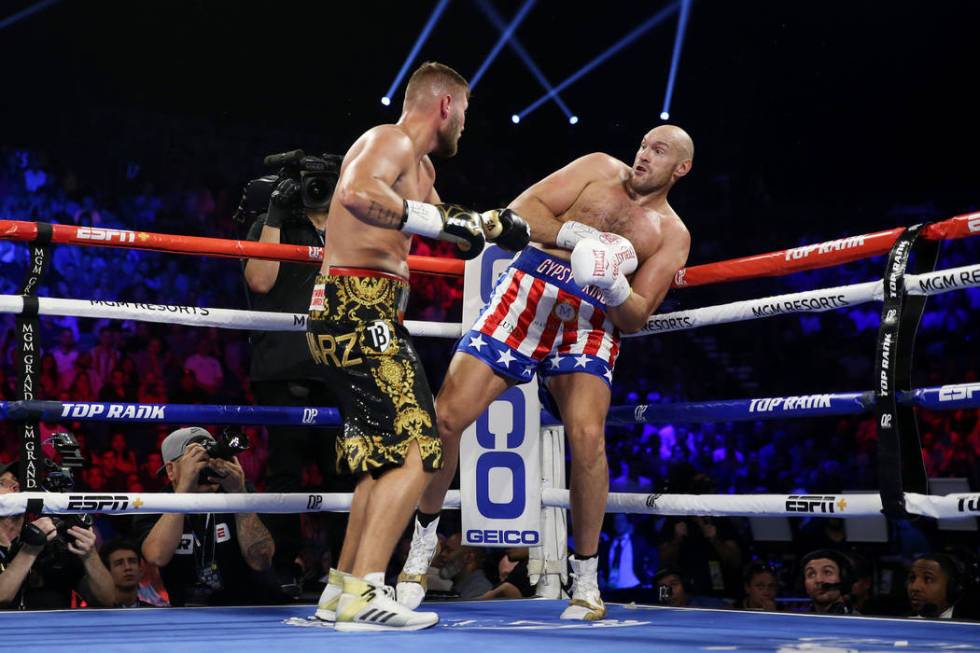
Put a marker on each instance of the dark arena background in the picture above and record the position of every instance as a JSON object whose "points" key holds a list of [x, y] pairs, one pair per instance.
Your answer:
{"points": [[812, 122]]}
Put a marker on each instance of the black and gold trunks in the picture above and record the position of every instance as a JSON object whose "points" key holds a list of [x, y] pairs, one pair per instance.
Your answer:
{"points": [[359, 344]]}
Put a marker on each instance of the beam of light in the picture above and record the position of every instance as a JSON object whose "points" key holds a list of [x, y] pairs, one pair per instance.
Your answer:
{"points": [[514, 44], [29, 11], [639, 31], [419, 42], [676, 57], [505, 35]]}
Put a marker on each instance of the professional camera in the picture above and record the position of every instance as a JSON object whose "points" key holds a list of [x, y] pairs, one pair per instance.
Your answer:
{"points": [[317, 176], [226, 446], [58, 477]]}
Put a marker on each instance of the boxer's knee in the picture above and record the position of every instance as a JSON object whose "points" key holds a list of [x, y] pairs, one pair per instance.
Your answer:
{"points": [[451, 419], [588, 444]]}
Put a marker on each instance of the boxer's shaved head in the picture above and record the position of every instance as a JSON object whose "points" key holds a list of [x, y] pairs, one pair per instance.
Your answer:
{"points": [[665, 155]]}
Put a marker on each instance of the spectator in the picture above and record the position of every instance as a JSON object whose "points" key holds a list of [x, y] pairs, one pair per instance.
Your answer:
{"points": [[116, 390], [210, 559], [39, 569], [207, 369], [65, 355], [515, 583], [465, 568], [627, 556], [105, 356], [761, 588], [827, 579], [125, 564], [125, 457], [934, 586]]}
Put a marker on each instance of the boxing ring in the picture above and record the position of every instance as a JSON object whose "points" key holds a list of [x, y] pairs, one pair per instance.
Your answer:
{"points": [[534, 622], [516, 625]]}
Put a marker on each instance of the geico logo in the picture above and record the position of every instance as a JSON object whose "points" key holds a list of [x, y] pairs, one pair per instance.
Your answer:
{"points": [[956, 393], [501, 463], [527, 538], [109, 235], [98, 502], [969, 504], [810, 503], [324, 349]]}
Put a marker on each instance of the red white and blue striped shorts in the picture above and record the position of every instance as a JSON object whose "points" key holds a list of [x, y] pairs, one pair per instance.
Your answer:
{"points": [[539, 320]]}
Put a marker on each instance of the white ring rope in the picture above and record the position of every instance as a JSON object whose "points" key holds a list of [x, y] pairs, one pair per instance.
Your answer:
{"points": [[225, 318], [811, 301], [843, 505]]}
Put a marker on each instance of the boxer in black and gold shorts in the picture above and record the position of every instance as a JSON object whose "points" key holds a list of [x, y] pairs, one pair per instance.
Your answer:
{"points": [[358, 341]]}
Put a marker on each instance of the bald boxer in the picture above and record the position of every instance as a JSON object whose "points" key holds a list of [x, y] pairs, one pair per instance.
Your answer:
{"points": [[607, 247], [385, 194]]}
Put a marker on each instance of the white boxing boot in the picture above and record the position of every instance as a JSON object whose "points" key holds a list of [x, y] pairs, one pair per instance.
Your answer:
{"points": [[412, 583], [585, 604]]}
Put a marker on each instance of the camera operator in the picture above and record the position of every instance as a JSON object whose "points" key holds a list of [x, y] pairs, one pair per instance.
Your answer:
{"points": [[291, 208], [209, 559], [40, 566]]}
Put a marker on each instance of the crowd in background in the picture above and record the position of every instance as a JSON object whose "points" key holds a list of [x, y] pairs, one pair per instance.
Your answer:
{"points": [[104, 360]]}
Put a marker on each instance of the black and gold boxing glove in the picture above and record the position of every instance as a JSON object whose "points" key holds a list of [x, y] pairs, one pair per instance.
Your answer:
{"points": [[449, 222], [507, 229]]}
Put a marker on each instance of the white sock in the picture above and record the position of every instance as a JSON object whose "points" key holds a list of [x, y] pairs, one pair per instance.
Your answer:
{"points": [[375, 578]]}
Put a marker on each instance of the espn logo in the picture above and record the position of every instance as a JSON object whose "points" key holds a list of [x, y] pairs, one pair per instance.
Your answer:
{"points": [[105, 235], [812, 503], [98, 502]]}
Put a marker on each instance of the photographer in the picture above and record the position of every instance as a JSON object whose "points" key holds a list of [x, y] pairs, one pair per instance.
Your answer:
{"points": [[210, 559], [40, 565], [290, 208]]}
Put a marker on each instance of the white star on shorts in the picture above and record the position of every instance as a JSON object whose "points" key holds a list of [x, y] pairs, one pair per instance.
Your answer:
{"points": [[477, 342], [528, 370], [506, 357], [580, 361], [555, 361], [608, 374]]}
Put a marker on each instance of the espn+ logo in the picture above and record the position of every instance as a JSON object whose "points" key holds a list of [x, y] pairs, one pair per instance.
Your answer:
{"points": [[498, 464]]}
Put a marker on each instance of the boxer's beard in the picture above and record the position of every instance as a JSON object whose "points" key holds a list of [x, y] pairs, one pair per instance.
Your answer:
{"points": [[448, 138]]}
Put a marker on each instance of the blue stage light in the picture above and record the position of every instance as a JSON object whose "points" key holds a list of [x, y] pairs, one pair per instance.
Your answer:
{"points": [[514, 44], [505, 35], [386, 100], [24, 13], [665, 115], [515, 118], [646, 26], [676, 57], [573, 120], [419, 42]]}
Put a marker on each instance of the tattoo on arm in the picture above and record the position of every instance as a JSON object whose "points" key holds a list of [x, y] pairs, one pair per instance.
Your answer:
{"points": [[383, 217], [256, 542]]}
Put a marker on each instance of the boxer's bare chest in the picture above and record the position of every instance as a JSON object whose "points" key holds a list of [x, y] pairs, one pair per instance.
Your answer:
{"points": [[607, 207]]}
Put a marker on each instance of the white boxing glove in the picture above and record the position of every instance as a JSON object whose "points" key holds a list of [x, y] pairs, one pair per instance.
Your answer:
{"points": [[572, 232], [593, 265], [621, 252]]}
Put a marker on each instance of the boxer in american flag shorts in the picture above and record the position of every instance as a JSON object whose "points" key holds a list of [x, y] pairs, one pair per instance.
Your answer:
{"points": [[606, 247]]}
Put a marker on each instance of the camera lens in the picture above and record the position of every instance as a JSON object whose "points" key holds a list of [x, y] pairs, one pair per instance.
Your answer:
{"points": [[317, 189]]}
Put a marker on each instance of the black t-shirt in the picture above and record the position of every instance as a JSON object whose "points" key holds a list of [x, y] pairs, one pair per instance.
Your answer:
{"points": [[208, 567], [53, 576], [284, 355]]}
